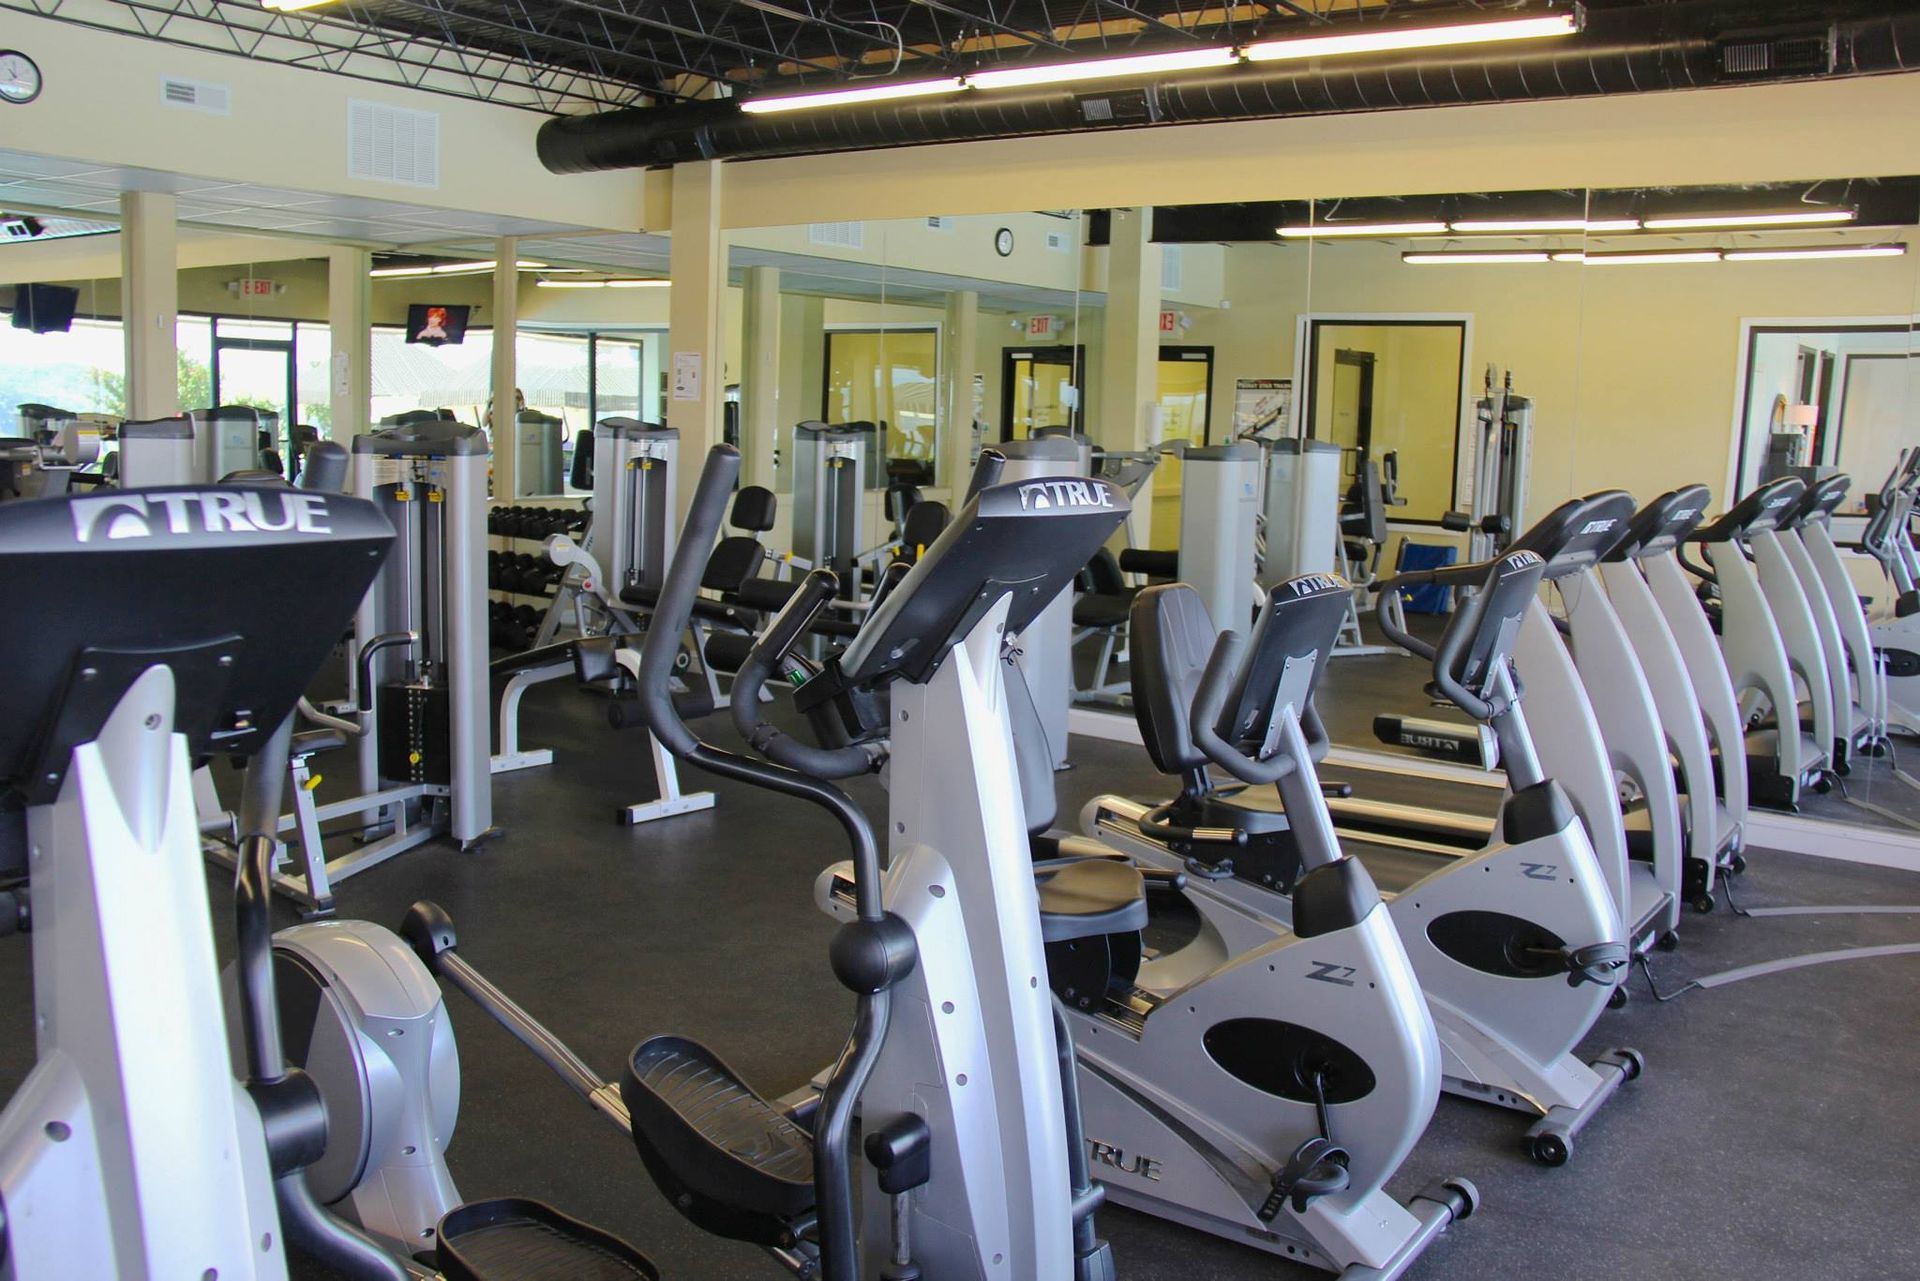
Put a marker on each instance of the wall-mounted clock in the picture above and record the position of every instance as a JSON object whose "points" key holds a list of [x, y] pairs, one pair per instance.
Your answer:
{"points": [[19, 77], [1003, 242]]}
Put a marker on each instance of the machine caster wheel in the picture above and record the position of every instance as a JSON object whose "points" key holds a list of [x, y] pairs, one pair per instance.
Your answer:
{"points": [[1670, 941], [1632, 1064], [1552, 1150], [1738, 864], [1824, 786], [1465, 1198], [1617, 999], [1702, 903]]}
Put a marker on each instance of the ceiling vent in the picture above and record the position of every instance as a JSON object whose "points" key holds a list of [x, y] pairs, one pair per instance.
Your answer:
{"points": [[1059, 242], [1170, 273], [938, 223], [1127, 107], [196, 95], [1800, 54], [838, 235], [393, 144]]}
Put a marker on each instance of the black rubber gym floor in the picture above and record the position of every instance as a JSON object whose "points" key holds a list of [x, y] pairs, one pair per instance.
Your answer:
{"points": [[1773, 1136]]}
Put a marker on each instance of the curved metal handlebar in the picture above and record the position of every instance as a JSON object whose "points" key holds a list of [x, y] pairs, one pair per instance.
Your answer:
{"points": [[802, 608], [1208, 703], [385, 640], [673, 610], [986, 472], [1453, 647]]}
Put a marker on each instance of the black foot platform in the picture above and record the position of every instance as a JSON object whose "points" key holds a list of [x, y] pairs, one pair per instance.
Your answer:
{"points": [[517, 1240]]}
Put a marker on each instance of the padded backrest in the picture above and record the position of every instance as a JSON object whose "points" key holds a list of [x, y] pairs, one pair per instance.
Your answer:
{"points": [[735, 559], [902, 498], [924, 523], [581, 476], [1103, 574], [753, 509], [1170, 638]]}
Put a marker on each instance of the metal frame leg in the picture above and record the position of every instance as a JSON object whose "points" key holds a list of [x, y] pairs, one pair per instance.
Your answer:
{"points": [[672, 801]]}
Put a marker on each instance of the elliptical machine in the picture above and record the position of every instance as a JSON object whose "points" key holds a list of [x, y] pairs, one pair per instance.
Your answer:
{"points": [[957, 1069], [1895, 629], [1518, 944]]}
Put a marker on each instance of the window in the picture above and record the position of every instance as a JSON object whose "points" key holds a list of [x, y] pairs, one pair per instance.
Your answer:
{"points": [[84, 369], [889, 377], [456, 377]]}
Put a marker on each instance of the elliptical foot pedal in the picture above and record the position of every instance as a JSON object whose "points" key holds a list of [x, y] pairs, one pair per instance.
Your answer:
{"points": [[1317, 1168], [512, 1239]]}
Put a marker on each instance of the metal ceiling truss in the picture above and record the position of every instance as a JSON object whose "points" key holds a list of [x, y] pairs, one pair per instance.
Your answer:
{"points": [[583, 56]]}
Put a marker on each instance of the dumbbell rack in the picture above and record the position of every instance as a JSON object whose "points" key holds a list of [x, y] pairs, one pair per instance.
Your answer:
{"points": [[523, 585]]}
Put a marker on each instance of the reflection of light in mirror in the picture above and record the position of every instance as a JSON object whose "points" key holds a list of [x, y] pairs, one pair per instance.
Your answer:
{"points": [[1657, 257], [1476, 256], [1364, 229], [604, 284], [1818, 251], [1546, 225], [1810, 217]]}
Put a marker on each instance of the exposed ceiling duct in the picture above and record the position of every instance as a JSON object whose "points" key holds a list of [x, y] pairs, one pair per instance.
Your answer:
{"points": [[1626, 50]]}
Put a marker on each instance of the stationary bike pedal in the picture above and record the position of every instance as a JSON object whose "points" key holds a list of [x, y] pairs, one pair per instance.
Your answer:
{"points": [[512, 1239], [1317, 1168]]}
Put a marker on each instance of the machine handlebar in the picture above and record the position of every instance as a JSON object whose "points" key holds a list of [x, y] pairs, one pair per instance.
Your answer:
{"points": [[816, 590], [385, 640], [673, 610], [1208, 703]]}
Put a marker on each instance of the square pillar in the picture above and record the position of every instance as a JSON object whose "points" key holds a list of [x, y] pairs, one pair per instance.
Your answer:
{"points": [[503, 430], [698, 264], [150, 303], [1125, 414], [350, 329], [959, 362]]}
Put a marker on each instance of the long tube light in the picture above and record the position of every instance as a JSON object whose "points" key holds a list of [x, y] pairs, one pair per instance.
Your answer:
{"points": [[1145, 64], [1654, 258], [1307, 229], [649, 283], [450, 269], [1376, 40], [1709, 222], [1388, 39], [1816, 251], [1523, 226], [1483, 257], [847, 97]]}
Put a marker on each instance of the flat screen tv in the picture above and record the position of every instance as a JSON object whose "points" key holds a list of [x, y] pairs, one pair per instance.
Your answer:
{"points": [[45, 309], [434, 324]]}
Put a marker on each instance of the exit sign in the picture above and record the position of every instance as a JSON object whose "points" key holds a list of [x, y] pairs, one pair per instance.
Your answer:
{"points": [[254, 287], [1041, 326], [1169, 322]]}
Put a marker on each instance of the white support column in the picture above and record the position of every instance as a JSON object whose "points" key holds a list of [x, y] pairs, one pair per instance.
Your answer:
{"points": [[698, 264], [350, 329], [1123, 415], [802, 348], [959, 362], [760, 374], [150, 303], [506, 319]]}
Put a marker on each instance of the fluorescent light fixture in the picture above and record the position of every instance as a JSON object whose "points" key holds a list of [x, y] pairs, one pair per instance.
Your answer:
{"points": [[1528, 226], [1386, 39], [650, 283], [848, 97], [292, 6], [1365, 229], [1820, 251], [1144, 64], [1707, 222], [450, 269], [1653, 258], [1476, 256]]}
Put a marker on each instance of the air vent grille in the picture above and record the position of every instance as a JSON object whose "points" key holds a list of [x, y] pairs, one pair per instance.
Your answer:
{"points": [[938, 223], [1776, 56], [839, 235], [393, 144], [1059, 241], [196, 95], [1170, 272]]}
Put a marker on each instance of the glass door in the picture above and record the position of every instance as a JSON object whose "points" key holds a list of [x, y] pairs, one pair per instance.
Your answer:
{"points": [[1184, 390], [1040, 387], [259, 373]]}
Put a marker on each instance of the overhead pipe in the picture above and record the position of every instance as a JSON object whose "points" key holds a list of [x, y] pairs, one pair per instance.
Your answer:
{"points": [[1636, 50]]}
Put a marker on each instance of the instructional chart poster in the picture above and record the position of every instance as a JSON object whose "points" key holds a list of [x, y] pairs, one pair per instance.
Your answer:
{"points": [[1262, 406], [686, 375]]}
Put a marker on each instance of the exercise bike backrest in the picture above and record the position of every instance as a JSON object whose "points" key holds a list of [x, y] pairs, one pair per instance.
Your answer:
{"points": [[1202, 696], [1761, 510], [1478, 641], [1579, 532], [1819, 502], [1663, 524]]}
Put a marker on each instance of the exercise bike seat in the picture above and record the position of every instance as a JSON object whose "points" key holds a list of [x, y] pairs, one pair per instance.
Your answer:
{"points": [[311, 742], [1090, 896], [731, 1161]]}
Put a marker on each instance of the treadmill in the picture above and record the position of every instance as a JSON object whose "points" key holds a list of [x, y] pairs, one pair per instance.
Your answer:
{"points": [[1595, 721]]}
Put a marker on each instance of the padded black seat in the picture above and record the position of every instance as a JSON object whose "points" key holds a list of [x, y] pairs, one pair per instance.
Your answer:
{"points": [[730, 1160], [310, 742], [1090, 896], [1171, 640]]}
